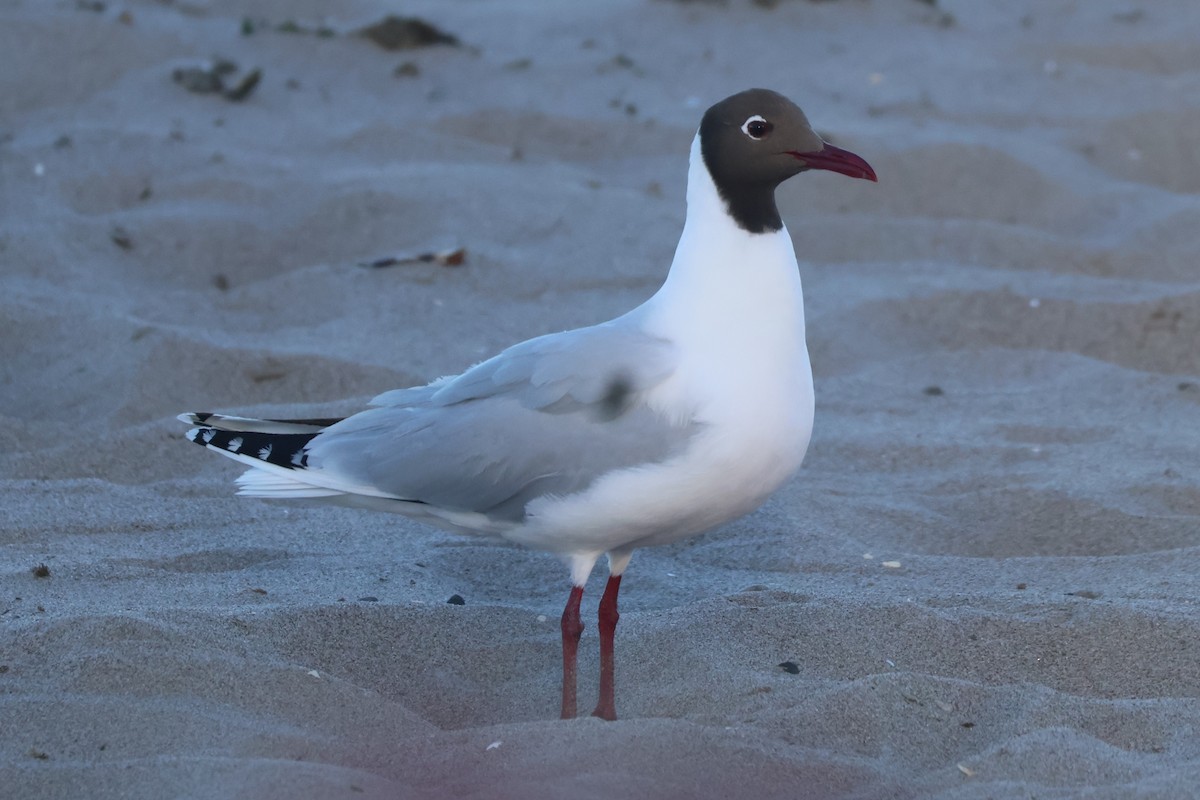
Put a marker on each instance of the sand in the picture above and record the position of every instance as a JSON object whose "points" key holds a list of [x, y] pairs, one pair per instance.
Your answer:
{"points": [[984, 577]]}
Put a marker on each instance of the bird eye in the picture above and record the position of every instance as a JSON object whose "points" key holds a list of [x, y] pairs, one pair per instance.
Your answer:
{"points": [[756, 127]]}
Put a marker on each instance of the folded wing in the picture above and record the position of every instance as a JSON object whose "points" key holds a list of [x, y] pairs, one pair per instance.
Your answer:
{"points": [[547, 416]]}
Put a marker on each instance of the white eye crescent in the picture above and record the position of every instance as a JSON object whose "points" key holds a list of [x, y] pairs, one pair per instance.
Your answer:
{"points": [[756, 127]]}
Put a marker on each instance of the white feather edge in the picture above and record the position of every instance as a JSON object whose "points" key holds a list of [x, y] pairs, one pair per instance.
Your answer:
{"points": [[277, 481], [260, 483]]}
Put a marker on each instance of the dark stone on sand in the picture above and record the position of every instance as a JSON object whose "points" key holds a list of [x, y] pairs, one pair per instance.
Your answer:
{"points": [[406, 33]]}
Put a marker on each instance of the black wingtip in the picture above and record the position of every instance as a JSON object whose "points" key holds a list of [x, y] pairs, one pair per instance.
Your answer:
{"points": [[198, 436], [281, 449]]}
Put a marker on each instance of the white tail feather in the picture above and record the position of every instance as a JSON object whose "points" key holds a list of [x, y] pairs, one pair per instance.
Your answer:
{"points": [[260, 483], [312, 480]]}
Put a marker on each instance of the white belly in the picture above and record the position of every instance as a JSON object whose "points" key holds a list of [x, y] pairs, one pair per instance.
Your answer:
{"points": [[747, 447]]}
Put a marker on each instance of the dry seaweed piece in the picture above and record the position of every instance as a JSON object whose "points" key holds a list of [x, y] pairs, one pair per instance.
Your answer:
{"points": [[242, 89], [210, 79], [406, 33], [291, 26], [443, 258], [201, 80]]}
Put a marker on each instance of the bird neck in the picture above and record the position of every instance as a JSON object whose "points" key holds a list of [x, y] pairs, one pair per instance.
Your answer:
{"points": [[724, 276], [713, 221], [750, 203]]}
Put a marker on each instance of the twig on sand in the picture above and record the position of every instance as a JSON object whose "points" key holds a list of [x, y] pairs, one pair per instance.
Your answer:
{"points": [[443, 258]]}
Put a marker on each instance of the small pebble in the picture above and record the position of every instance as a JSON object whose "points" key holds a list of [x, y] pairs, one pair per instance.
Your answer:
{"points": [[406, 33], [121, 238]]}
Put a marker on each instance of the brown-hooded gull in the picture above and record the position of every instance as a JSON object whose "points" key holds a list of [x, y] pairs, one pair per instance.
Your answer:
{"points": [[678, 416]]}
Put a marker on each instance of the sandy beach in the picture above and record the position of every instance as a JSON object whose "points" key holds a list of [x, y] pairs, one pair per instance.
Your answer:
{"points": [[980, 584]]}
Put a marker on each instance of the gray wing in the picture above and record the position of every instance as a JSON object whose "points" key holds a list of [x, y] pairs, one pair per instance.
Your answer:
{"points": [[588, 366], [547, 416]]}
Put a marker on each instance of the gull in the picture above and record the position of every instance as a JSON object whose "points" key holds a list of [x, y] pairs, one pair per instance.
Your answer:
{"points": [[663, 423]]}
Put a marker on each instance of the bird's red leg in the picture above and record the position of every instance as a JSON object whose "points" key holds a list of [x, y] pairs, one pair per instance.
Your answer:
{"points": [[606, 707], [572, 628]]}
